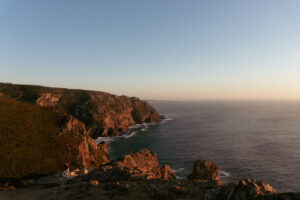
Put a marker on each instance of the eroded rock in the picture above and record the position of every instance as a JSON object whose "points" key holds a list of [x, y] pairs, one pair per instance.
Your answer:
{"points": [[142, 164], [48, 100], [89, 153], [246, 190], [204, 170]]}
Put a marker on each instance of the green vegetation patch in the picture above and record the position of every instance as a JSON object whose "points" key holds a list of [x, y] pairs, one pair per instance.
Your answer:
{"points": [[30, 140]]}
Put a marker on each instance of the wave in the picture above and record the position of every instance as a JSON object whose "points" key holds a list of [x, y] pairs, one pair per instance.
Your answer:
{"points": [[224, 174], [179, 177], [132, 131], [130, 135], [167, 119], [106, 139], [178, 170]]}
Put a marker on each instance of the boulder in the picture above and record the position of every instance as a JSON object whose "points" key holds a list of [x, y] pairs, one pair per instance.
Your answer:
{"points": [[204, 170]]}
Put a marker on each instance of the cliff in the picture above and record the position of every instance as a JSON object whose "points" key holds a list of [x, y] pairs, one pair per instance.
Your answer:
{"points": [[103, 114], [36, 141], [44, 130]]}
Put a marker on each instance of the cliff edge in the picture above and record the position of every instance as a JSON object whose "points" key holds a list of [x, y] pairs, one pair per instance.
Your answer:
{"points": [[103, 114]]}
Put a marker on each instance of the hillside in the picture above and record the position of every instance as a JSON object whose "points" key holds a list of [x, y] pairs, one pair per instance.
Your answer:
{"points": [[102, 113], [35, 141]]}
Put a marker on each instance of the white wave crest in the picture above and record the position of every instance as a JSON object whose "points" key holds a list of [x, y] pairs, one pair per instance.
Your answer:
{"points": [[132, 131], [224, 174], [130, 135], [106, 139], [178, 170]]}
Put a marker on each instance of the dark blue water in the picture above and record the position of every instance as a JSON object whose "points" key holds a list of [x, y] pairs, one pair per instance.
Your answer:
{"points": [[246, 139]]}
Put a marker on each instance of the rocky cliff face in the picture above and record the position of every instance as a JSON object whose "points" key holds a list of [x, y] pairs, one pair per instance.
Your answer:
{"points": [[89, 154], [103, 114]]}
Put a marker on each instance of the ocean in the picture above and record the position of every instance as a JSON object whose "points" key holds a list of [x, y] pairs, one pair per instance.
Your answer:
{"points": [[246, 139]]}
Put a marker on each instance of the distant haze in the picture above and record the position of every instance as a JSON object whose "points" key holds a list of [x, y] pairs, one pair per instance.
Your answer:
{"points": [[171, 49]]}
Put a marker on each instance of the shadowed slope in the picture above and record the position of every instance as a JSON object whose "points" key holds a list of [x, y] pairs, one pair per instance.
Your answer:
{"points": [[31, 142]]}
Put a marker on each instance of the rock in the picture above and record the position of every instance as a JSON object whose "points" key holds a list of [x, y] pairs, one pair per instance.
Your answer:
{"points": [[246, 189], [204, 170], [24, 183], [7, 187], [89, 154], [48, 99], [167, 173], [94, 182], [84, 171], [256, 188], [73, 174], [144, 163]]}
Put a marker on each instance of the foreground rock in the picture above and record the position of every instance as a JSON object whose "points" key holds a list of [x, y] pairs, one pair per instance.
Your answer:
{"points": [[204, 170], [89, 154], [139, 176], [142, 164], [246, 189], [103, 114]]}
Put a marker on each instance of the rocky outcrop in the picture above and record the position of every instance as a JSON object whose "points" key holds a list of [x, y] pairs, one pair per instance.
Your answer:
{"points": [[89, 154], [102, 113], [48, 99], [142, 164], [139, 176], [246, 190], [204, 170]]}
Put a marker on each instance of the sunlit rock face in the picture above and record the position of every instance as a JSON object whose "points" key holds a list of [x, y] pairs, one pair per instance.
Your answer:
{"points": [[142, 164], [89, 154]]}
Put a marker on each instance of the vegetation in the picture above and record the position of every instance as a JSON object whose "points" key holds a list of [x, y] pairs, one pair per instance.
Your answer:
{"points": [[30, 140], [26, 93]]}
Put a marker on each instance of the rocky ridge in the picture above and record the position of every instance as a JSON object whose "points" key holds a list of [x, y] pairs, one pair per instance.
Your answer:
{"points": [[102, 113]]}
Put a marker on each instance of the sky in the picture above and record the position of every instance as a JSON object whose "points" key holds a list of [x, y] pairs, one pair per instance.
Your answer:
{"points": [[158, 49]]}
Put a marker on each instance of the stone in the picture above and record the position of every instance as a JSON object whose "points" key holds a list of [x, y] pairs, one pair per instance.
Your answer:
{"points": [[7, 187], [89, 154], [94, 182], [84, 171], [143, 164], [204, 170]]}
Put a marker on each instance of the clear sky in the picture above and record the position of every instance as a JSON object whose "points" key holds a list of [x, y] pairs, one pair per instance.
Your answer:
{"points": [[155, 49]]}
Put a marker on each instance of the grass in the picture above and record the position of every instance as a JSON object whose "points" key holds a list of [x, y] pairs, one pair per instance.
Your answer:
{"points": [[30, 140]]}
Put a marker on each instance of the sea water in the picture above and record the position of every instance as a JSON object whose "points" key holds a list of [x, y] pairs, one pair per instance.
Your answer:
{"points": [[246, 139]]}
